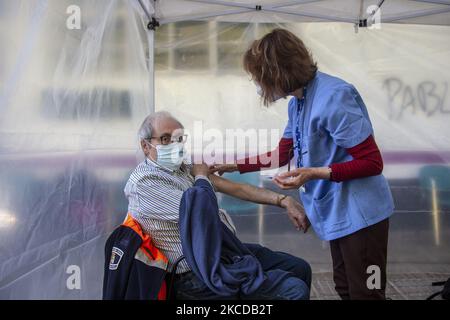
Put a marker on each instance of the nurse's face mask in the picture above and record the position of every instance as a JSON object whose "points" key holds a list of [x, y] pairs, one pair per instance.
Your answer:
{"points": [[171, 151]]}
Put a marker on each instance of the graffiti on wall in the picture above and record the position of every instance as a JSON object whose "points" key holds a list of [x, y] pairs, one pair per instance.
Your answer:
{"points": [[427, 97]]}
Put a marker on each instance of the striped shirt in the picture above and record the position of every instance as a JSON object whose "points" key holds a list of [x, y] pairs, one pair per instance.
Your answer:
{"points": [[154, 195]]}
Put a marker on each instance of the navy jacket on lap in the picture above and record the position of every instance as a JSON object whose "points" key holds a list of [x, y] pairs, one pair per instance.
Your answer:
{"points": [[213, 252]]}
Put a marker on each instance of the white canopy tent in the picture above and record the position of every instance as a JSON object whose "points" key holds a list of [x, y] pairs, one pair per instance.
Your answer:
{"points": [[72, 100], [360, 13]]}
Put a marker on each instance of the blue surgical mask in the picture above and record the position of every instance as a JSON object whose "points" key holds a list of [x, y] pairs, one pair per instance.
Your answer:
{"points": [[170, 156]]}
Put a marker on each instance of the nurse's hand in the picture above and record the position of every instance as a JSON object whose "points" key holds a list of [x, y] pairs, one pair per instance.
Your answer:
{"points": [[222, 168], [296, 178], [296, 213]]}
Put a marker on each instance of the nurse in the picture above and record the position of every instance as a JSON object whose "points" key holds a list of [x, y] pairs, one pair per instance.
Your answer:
{"points": [[338, 164]]}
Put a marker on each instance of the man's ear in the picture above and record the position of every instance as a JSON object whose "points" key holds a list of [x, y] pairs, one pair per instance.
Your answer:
{"points": [[145, 147]]}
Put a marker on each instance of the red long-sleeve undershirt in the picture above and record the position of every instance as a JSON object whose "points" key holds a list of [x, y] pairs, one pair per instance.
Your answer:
{"points": [[366, 161]]}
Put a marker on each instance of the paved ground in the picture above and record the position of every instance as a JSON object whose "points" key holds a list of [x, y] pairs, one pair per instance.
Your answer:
{"points": [[400, 286]]}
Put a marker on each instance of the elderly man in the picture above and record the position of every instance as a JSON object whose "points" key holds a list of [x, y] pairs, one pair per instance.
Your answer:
{"points": [[155, 189]]}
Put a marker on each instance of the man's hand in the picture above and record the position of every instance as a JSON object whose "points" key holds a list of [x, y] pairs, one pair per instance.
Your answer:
{"points": [[222, 168], [200, 170], [296, 213]]}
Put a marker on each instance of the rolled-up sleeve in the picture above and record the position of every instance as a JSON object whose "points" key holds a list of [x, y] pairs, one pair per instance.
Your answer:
{"points": [[345, 117]]}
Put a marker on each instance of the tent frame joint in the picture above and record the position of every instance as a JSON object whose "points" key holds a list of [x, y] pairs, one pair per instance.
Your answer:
{"points": [[362, 23], [153, 24]]}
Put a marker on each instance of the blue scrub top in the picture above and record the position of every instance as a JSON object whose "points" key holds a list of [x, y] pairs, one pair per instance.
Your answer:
{"points": [[332, 119]]}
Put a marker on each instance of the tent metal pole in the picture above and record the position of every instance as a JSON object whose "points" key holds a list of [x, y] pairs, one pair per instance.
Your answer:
{"points": [[361, 14], [361, 9], [379, 7], [225, 3], [311, 15], [245, 5], [290, 4], [151, 61], [415, 15], [151, 52], [147, 13], [151, 68], [204, 16]]}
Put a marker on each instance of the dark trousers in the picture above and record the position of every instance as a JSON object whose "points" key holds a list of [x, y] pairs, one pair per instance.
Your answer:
{"points": [[271, 260], [296, 287], [352, 255]]}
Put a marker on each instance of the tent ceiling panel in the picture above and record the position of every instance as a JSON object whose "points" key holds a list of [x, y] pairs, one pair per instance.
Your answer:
{"points": [[434, 12]]}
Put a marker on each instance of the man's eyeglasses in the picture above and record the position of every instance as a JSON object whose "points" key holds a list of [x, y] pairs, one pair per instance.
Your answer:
{"points": [[166, 139]]}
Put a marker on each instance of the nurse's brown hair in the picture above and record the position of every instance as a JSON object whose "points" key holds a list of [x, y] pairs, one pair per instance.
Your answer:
{"points": [[280, 63]]}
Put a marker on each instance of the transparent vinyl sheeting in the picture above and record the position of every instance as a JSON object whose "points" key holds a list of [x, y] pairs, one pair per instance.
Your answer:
{"points": [[72, 100]]}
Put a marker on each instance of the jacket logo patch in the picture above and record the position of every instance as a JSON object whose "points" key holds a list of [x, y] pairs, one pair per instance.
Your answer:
{"points": [[116, 256]]}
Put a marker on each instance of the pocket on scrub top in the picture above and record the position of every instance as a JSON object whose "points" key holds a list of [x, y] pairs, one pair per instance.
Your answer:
{"points": [[332, 211]]}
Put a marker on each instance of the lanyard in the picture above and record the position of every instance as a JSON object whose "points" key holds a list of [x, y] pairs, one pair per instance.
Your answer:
{"points": [[298, 130]]}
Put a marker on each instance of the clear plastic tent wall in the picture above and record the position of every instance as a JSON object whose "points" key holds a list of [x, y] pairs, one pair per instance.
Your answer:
{"points": [[71, 102]]}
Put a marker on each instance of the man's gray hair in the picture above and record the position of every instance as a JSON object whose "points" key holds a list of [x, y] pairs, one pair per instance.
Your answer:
{"points": [[147, 126]]}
